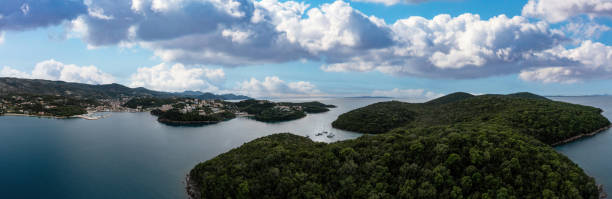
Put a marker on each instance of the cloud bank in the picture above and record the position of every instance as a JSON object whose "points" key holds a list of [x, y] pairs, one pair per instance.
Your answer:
{"points": [[561, 10], [245, 32], [177, 78], [54, 70], [22, 15], [392, 2], [412, 94], [273, 86]]}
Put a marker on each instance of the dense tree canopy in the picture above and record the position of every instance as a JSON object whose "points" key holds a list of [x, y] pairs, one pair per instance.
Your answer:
{"points": [[267, 111], [489, 146], [464, 161], [173, 116], [547, 120]]}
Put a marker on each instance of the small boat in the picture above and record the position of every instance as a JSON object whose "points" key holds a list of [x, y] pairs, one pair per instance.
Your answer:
{"points": [[331, 135], [325, 132], [319, 134]]}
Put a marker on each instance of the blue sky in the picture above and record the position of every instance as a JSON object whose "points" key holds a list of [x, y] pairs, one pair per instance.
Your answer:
{"points": [[330, 48]]}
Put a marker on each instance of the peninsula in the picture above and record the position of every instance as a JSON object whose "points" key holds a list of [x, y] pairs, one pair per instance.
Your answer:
{"points": [[456, 146]]}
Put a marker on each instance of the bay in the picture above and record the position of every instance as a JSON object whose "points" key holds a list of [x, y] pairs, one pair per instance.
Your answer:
{"points": [[131, 155]]}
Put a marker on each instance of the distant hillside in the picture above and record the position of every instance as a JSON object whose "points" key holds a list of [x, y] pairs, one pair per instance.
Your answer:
{"points": [[46, 87], [527, 95], [207, 95], [548, 121], [458, 146], [453, 97]]}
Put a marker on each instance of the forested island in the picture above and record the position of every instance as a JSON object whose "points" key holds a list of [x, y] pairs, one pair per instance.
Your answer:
{"points": [[190, 111], [267, 111], [456, 146]]}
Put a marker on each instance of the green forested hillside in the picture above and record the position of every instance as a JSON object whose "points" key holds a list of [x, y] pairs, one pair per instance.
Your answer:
{"points": [[175, 117], [9, 85], [450, 162], [377, 118], [478, 147], [46, 87], [547, 120], [453, 97], [267, 111], [528, 95]]}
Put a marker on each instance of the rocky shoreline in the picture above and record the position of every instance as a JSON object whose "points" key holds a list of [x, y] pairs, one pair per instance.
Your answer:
{"points": [[568, 140], [602, 193], [192, 188], [40, 116]]}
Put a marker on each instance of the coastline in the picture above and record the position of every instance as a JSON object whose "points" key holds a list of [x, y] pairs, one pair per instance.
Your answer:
{"points": [[571, 139], [191, 188], [600, 187], [179, 123], [83, 116], [602, 193], [40, 116]]}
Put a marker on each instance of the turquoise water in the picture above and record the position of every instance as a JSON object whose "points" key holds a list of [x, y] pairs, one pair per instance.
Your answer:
{"points": [[130, 155]]}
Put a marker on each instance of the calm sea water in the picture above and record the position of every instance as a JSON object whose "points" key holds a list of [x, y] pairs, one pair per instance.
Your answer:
{"points": [[593, 153], [131, 155]]}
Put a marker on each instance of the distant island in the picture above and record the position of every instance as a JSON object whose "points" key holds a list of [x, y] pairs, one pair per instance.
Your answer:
{"points": [[456, 146], [267, 111], [190, 111]]}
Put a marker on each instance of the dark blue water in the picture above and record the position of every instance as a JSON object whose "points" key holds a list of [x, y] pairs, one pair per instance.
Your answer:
{"points": [[128, 155], [593, 154]]}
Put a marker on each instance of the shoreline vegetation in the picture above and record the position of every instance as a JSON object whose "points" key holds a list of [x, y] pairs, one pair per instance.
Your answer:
{"points": [[194, 112], [581, 136], [459, 145]]}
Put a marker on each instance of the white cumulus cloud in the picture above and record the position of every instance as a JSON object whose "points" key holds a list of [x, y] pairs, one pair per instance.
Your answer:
{"points": [[392, 2], [11, 72], [413, 94], [550, 75], [177, 78], [54, 70], [585, 31], [459, 47], [561, 10], [590, 60], [273, 86], [245, 32]]}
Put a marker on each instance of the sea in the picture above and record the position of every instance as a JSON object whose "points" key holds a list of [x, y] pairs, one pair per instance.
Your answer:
{"points": [[131, 155]]}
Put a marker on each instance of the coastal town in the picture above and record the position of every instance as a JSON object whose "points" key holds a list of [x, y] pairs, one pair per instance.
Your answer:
{"points": [[183, 109], [63, 107]]}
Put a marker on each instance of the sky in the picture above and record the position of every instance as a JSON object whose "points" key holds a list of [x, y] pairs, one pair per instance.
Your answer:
{"points": [[417, 49]]}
